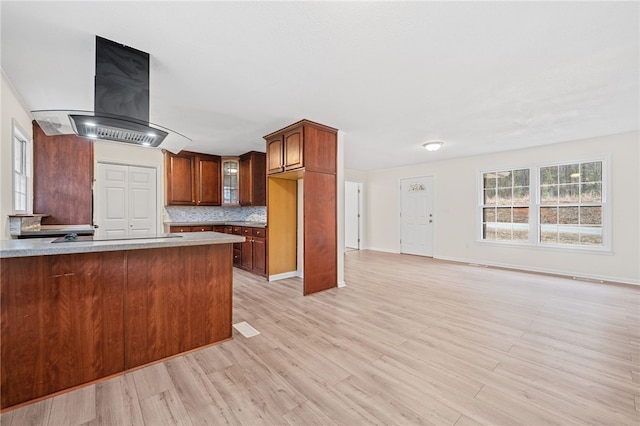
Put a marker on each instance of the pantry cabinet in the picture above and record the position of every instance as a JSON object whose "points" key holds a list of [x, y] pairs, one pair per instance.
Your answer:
{"points": [[303, 154]]}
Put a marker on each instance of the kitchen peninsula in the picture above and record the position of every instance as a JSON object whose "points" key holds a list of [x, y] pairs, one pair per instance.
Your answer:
{"points": [[76, 312]]}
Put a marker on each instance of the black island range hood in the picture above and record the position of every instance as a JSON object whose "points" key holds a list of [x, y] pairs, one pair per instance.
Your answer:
{"points": [[121, 103]]}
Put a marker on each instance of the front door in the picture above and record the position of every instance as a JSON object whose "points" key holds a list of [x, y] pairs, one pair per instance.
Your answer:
{"points": [[416, 216], [125, 200]]}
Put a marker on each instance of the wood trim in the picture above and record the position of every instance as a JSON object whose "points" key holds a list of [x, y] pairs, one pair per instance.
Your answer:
{"points": [[304, 122]]}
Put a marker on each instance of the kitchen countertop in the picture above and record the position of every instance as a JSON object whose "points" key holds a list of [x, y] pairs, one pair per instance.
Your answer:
{"points": [[210, 223], [45, 246]]}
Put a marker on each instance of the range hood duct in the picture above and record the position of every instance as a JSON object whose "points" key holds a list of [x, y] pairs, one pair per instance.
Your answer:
{"points": [[121, 103]]}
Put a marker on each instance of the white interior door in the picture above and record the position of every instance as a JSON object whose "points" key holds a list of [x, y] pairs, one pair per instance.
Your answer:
{"points": [[142, 200], [352, 208], [125, 200], [416, 216]]}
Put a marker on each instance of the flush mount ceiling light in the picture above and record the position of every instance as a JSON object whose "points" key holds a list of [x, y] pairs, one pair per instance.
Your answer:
{"points": [[432, 146]]}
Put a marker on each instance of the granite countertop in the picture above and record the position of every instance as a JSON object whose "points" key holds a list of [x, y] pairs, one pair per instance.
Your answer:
{"points": [[209, 223], [45, 246]]}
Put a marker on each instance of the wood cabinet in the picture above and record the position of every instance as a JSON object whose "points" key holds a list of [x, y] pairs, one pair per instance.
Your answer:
{"points": [[208, 185], [178, 299], [62, 178], [254, 250], [75, 318], [305, 144], [62, 322], [304, 153], [192, 179], [253, 179]]}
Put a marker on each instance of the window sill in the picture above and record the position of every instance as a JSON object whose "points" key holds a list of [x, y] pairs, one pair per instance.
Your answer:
{"points": [[554, 248]]}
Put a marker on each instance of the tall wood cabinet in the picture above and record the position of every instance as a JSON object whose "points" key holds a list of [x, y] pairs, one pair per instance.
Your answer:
{"points": [[192, 179], [304, 153]]}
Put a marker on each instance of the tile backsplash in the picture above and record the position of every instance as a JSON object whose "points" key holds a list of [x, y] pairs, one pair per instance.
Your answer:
{"points": [[214, 214]]}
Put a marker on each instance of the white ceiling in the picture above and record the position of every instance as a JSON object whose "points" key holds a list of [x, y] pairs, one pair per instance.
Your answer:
{"points": [[481, 76]]}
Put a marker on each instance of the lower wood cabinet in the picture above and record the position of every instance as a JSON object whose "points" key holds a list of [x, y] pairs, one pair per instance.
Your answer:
{"points": [[73, 319], [254, 250], [205, 228], [62, 322], [250, 255]]}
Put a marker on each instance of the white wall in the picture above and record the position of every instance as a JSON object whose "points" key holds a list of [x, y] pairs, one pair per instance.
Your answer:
{"points": [[456, 203], [11, 108], [118, 153]]}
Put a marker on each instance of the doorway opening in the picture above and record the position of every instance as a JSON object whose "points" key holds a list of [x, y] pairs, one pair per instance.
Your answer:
{"points": [[352, 216]]}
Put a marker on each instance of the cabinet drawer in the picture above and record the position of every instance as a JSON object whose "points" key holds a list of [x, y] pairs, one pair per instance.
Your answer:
{"points": [[237, 230], [246, 231], [259, 232], [201, 228], [179, 229]]}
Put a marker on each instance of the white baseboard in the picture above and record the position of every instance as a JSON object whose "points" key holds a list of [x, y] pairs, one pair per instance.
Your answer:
{"points": [[341, 284], [568, 274], [382, 250]]}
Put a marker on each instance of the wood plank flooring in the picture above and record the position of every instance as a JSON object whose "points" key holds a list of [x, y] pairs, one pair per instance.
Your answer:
{"points": [[408, 341]]}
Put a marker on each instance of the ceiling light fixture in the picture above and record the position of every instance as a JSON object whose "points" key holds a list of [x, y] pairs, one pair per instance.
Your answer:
{"points": [[432, 146]]}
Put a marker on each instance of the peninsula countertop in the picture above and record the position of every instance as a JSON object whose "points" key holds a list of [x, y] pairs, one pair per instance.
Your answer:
{"points": [[47, 246]]}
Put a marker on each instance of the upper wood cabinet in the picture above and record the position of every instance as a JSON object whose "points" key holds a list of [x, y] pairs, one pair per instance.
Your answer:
{"points": [[304, 144], [192, 179], [208, 180], [180, 172], [253, 179]]}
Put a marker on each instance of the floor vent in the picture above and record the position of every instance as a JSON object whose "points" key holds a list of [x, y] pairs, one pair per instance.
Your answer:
{"points": [[245, 329]]}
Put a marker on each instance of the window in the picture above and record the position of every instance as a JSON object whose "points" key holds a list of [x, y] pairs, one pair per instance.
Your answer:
{"points": [[21, 166], [562, 205], [505, 205], [571, 204]]}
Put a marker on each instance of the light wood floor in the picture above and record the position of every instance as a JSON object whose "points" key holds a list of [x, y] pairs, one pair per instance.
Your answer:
{"points": [[410, 340]]}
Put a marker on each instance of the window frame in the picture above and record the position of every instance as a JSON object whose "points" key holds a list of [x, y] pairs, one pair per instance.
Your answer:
{"points": [[604, 203], [18, 134], [535, 204], [482, 206]]}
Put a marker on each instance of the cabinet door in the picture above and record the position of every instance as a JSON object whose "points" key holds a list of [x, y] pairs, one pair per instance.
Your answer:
{"points": [[259, 255], [208, 180], [245, 197], [275, 154], [180, 182], [247, 249], [293, 149]]}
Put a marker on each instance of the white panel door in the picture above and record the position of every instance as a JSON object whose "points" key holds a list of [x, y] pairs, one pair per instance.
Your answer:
{"points": [[112, 199], [125, 200], [352, 218], [416, 216], [142, 200]]}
